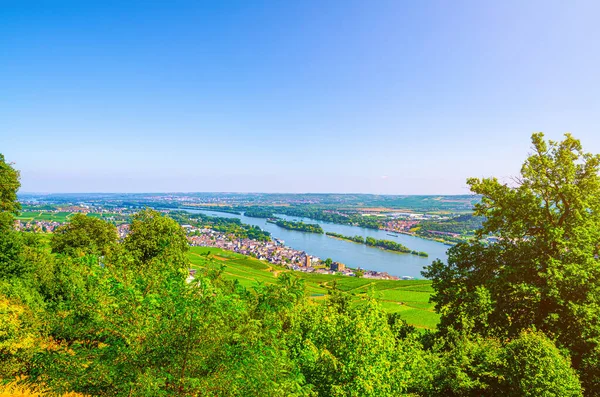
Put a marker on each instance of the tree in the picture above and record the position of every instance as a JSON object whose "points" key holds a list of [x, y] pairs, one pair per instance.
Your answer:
{"points": [[9, 184], [535, 367], [123, 332], [544, 271], [153, 235], [85, 235], [350, 350], [530, 365], [11, 246]]}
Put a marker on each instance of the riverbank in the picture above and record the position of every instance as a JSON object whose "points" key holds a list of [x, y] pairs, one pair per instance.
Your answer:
{"points": [[353, 255], [276, 253]]}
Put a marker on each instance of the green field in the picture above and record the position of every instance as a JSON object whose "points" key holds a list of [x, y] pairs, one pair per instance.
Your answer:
{"points": [[27, 216], [408, 298], [62, 217]]}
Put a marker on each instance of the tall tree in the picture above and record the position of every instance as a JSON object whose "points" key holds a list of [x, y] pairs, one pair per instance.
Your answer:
{"points": [[544, 271]]}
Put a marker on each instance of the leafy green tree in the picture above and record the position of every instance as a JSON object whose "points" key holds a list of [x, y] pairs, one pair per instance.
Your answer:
{"points": [[11, 247], [544, 271], [461, 366], [153, 235], [535, 367], [528, 365], [347, 350], [9, 184], [85, 235], [122, 332]]}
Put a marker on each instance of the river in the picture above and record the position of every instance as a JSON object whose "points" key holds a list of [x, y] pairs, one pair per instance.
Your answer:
{"points": [[352, 254]]}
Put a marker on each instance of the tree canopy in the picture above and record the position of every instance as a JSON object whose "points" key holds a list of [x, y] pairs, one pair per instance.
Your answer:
{"points": [[84, 234], [153, 235], [543, 272]]}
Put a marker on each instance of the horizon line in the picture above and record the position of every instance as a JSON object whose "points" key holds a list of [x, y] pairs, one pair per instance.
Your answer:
{"points": [[254, 192]]}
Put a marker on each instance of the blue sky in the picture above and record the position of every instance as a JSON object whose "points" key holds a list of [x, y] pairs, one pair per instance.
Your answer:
{"points": [[377, 96]]}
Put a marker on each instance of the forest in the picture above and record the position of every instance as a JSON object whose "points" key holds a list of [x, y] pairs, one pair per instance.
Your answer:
{"points": [[87, 313]]}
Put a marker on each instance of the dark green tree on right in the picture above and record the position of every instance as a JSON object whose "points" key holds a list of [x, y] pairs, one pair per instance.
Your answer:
{"points": [[543, 272]]}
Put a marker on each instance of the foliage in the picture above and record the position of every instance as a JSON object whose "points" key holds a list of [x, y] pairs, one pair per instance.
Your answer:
{"points": [[321, 214], [85, 235], [544, 272], [348, 351], [258, 213], [461, 224], [9, 184], [529, 365], [384, 244], [127, 321], [356, 239], [231, 226], [155, 236], [299, 226], [11, 246], [535, 367]]}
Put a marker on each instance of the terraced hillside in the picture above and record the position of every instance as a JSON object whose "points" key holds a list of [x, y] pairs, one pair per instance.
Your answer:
{"points": [[409, 298]]}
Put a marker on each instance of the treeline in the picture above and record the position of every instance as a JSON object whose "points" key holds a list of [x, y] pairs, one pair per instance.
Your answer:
{"points": [[258, 213], [392, 246], [355, 239], [321, 214], [231, 226], [219, 208], [462, 224], [299, 226], [384, 244]]}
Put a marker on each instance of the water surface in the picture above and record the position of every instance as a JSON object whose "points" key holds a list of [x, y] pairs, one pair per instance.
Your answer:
{"points": [[352, 254]]}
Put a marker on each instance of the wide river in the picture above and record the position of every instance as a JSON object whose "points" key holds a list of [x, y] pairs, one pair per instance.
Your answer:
{"points": [[352, 254]]}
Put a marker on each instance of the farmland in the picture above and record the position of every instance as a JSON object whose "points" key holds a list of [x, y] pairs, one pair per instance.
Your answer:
{"points": [[27, 216], [410, 298], [64, 216]]}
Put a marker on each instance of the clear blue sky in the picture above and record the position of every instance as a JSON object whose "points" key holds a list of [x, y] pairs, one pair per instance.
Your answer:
{"points": [[400, 97]]}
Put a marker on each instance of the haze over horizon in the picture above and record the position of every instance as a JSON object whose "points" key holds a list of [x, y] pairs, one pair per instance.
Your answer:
{"points": [[345, 96]]}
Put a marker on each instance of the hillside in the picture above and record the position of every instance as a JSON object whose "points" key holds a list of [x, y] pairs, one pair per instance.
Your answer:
{"points": [[410, 298]]}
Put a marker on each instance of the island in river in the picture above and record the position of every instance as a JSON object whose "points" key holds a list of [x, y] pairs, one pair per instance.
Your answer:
{"points": [[298, 226], [388, 245]]}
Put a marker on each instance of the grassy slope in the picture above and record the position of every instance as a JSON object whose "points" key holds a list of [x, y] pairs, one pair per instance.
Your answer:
{"points": [[409, 298]]}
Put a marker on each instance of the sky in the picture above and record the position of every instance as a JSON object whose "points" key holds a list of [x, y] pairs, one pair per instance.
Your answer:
{"points": [[387, 97]]}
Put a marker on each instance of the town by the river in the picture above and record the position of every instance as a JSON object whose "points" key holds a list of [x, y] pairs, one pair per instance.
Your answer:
{"points": [[351, 254]]}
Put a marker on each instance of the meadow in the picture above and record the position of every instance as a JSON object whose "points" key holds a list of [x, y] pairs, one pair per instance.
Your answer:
{"points": [[409, 298]]}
